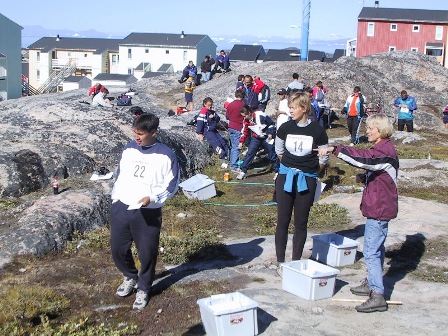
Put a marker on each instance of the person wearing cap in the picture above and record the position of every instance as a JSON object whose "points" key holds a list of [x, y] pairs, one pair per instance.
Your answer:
{"points": [[295, 85], [189, 69], [282, 109]]}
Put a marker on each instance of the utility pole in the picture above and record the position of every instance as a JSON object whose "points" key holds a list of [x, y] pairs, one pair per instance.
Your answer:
{"points": [[306, 10]]}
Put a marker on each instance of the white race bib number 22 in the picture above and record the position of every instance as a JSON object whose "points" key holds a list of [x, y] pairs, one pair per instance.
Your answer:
{"points": [[299, 145]]}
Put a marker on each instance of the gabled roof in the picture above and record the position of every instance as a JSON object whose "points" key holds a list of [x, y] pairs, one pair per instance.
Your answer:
{"points": [[290, 54], [8, 19], [142, 66], [162, 40], [74, 79], [403, 15], [246, 52], [152, 74], [97, 45], [106, 76], [165, 67]]}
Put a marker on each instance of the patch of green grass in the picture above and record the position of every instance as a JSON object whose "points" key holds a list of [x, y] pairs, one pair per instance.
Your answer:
{"points": [[431, 273], [434, 193], [7, 204], [93, 240]]}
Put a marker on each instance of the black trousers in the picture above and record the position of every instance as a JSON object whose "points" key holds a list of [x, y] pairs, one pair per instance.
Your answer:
{"points": [[141, 226], [301, 202], [409, 125], [352, 125]]}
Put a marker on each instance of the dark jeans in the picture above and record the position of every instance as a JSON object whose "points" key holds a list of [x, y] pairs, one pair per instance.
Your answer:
{"points": [[352, 124], [254, 146], [141, 226], [223, 66], [409, 125], [218, 143], [301, 202]]}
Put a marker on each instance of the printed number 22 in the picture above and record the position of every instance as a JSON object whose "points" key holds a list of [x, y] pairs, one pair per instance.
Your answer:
{"points": [[300, 147], [139, 170]]}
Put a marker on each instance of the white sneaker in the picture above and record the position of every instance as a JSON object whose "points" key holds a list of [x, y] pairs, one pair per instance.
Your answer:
{"points": [[224, 165], [275, 176], [241, 175], [352, 144], [141, 300], [126, 287]]}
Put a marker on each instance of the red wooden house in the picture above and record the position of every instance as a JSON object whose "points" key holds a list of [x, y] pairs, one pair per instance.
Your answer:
{"points": [[386, 29]]}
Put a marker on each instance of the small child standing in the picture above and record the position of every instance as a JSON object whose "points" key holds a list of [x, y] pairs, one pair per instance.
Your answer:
{"points": [[379, 203], [206, 127], [189, 88]]}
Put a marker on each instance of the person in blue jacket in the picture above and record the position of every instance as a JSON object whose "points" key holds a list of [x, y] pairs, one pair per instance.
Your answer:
{"points": [[207, 127], [222, 61], [188, 70], [406, 107]]}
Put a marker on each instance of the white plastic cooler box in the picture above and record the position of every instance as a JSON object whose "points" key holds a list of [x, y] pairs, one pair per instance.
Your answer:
{"points": [[334, 250], [308, 279], [232, 314], [199, 187]]}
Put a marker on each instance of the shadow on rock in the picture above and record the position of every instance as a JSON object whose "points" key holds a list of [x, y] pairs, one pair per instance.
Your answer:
{"points": [[403, 260], [238, 254]]}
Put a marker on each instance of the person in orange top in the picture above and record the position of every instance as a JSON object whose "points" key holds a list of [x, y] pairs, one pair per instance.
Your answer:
{"points": [[355, 109]]}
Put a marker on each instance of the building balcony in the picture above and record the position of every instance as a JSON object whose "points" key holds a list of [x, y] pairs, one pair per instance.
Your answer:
{"points": [[83, 64]]}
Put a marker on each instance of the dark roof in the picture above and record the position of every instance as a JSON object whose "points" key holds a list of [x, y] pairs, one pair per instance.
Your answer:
{"points": [[246, 52], [315, 55], [97, 45], [163, 40], [74, 79], [106, 76], [152, 74], [403, 15], [282, 55], [142, 66], [164, 67], [338, 53], [434, 44]]}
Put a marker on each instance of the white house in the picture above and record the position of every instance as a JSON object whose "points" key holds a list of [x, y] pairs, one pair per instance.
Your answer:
{"points": [[51, 59], [157, 49], [76, 82], [108, 80], [10, 59]]}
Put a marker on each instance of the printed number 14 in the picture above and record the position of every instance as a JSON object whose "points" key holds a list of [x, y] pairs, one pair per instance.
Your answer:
{"points": [[298, 148]]}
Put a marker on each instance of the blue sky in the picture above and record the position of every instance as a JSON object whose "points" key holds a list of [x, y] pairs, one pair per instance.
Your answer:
{"points": [[330, 19]]}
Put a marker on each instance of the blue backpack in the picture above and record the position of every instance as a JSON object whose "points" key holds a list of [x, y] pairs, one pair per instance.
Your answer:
{"points": [[124, 100]]}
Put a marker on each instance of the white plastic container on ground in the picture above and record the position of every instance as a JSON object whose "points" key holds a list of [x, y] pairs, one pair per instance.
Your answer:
{"points": [[308, 279], [199, 186], [229, 314], [334, 250]]}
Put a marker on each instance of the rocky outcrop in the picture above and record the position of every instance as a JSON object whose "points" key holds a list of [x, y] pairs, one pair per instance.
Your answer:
{"points": [[58, 134]]}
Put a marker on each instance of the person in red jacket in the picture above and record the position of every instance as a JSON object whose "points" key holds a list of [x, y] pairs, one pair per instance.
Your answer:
{"points": [[379, 203], [233, 115]]}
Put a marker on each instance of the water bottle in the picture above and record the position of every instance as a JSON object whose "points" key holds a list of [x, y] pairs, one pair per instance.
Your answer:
{"points": [[55, 184]]}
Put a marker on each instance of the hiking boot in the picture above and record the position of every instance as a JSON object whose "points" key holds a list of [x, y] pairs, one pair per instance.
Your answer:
{"points": [[362, 290], [375, 302], [241, 176], [141, 300], [126, 287]]}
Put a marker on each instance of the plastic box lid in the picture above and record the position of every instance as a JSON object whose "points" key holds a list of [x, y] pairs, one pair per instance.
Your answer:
{"points": [[336, 240], [311, 268], [223, 304], [196, 182]]}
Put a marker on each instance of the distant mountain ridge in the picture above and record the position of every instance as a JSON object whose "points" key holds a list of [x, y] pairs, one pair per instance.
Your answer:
{"points": [[31, 34]]}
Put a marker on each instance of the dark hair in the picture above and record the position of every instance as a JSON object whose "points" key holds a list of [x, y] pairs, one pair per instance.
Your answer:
{"points": [[357, 89], [295, 75], [222, 51], [105, 91], [308, 89], [136, 110], [207, 57], [206, 100], [240, 94], [240, 78], [146, 122], [246, 110]]}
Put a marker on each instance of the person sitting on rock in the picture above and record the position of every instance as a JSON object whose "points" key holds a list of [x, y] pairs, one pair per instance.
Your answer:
{"points": [[94, 90], [222, 61], [101, 100], [189, 69]]}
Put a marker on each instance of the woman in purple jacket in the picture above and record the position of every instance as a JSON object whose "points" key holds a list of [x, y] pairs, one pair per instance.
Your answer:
{"points": [[379, 203]]}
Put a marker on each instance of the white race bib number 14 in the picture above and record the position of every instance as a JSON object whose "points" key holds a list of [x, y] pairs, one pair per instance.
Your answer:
{"points": [[299, 145]]}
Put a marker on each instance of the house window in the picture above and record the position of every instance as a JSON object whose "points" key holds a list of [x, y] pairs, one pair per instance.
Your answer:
{"points": [[69, 54], [38, 74], [129, 53], [38, 56], [371, 29], [167, 51], [146, 51], [414, 49], [85, 55], [439, 33], [392, 48], [415, 28], [114, 59], [185, 56], [130, 70], [393, 27]]}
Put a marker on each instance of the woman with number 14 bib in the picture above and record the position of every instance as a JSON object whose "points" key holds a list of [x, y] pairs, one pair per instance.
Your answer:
{"points": [[297, 178]]}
